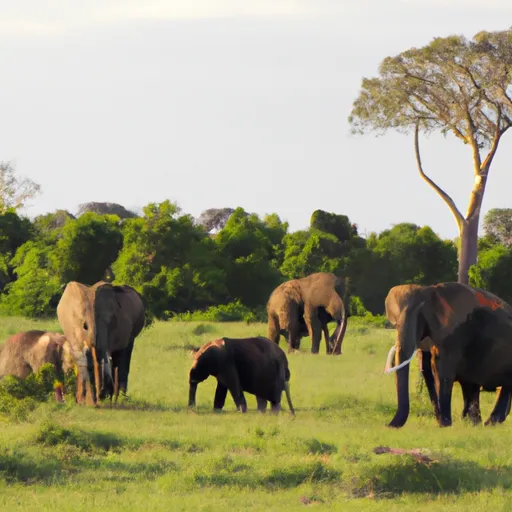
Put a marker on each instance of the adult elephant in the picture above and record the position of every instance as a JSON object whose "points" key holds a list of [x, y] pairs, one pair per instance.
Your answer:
{"points": [[302, 307], [255, 365], [429, 316], [101, 323], [25, 352]]}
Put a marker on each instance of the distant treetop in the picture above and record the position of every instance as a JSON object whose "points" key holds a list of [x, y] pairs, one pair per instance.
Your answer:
{"points": [[106, 209]]}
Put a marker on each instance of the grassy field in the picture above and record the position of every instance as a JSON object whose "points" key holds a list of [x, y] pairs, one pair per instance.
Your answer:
{"points": [[153, 454]]}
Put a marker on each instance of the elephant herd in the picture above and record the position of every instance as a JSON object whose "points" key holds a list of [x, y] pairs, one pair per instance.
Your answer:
{"points": [[460, 333]]}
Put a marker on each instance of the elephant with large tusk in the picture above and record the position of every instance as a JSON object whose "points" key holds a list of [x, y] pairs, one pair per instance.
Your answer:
{"points": [[101, 323], [426, 317]]}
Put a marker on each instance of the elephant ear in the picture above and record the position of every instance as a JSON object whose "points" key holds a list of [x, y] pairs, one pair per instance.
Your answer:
{"points": [[438, 313]]}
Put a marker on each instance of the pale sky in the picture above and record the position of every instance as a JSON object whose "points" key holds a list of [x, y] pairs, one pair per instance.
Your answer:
{"points": [[217, 103]]}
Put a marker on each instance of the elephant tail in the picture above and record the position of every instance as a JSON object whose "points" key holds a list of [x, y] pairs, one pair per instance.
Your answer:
{"points": [[274, 332], [288, 397]]}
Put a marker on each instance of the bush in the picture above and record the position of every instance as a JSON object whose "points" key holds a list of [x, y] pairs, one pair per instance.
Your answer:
{"points": [[232, 312], [18, 397]]}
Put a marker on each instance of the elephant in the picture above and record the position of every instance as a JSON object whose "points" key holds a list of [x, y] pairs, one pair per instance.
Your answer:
{"points": [[255, 365], [101, 323], [25, 352], [302, 307], [431, 320]]}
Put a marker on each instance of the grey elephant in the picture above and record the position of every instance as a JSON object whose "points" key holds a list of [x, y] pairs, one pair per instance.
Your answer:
{"points": [[25, 352], [254, 365], [101, 323], [302, 307], [425, 316]]}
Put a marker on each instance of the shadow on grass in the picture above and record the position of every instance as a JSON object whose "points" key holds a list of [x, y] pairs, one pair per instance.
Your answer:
{"points": [[346, 403], [445, 477], [118, 471], [15, 467], [230, 473], [52, 434]]}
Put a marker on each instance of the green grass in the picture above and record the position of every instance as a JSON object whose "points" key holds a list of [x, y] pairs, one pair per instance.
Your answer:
{"points": [[153, 454]]}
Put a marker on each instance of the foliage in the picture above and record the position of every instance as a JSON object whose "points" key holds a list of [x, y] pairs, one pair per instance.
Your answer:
{"points": [[453, 85], [498, 226], [169, 260], [403, 254], [15, 192], [18, 397], [86, 248], [232, 312], [250, 247], [493, 271], [328, 246]]}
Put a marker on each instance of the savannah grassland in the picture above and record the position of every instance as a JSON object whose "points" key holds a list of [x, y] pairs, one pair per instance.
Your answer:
{"points": [[153, 454]]}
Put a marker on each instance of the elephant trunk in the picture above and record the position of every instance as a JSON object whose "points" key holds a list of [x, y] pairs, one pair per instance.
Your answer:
{"points": [[404, 352], [84, 391], [192, 394], [339, 333]]}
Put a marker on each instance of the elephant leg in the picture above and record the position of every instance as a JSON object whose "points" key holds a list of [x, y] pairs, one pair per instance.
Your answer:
{"points": [[262, 404], [428, 376], [314, 329], [123, 360], [229, 378], [273, 329], [471, 396], [328, 347], [275, 407], [293, 336], [502, 407], [220, 396], [445, 377]]}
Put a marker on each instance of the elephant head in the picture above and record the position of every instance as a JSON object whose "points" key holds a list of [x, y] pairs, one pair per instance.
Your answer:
{"points": [[86, 329], [208, 360]]}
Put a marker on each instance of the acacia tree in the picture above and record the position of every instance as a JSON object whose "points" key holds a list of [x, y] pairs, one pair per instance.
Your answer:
{"points": [[452, 85], [15, 191]]}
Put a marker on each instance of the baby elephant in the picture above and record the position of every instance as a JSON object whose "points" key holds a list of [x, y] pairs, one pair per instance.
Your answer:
{"points": [[255, 365], [25, 352]]}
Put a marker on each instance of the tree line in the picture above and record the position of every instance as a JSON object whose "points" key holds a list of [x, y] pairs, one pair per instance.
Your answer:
{"points": [[227, 261]]}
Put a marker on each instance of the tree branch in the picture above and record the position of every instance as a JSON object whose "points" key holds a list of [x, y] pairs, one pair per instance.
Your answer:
{"points": [[446, 198]]}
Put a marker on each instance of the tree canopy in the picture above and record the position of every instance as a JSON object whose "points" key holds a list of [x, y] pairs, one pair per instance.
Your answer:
{"points": [[454, 85]]}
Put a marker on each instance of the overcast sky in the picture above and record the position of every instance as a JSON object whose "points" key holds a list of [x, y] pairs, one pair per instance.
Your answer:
{"points": [[216, 103]]}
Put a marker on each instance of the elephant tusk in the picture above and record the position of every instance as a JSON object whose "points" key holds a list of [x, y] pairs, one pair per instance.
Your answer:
{"points": [[390, 358], [401, 365], [96, 372]]}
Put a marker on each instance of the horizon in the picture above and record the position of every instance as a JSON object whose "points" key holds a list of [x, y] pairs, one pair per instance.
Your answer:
{"points": [[221, 104]]}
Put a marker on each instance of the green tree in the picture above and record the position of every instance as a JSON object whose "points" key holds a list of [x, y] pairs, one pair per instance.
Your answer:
{"points": [[251, 249], [403, 254], [14, 232], [453, 85], [327, 246], [86, 247], [498, 226], [171, 261], [36, 290], [493, 271]]}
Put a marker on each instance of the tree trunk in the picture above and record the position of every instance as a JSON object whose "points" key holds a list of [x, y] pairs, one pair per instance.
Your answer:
{"points": [[468, 247]]}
